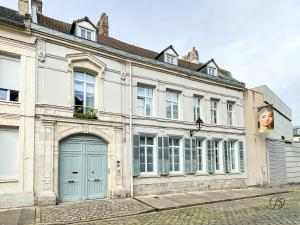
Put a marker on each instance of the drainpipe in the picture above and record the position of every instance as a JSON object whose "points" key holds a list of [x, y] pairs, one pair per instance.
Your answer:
{"points": [[130, 129]]}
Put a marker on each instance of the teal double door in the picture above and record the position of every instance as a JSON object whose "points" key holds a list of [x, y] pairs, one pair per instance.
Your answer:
{"points": [[82, 169]]}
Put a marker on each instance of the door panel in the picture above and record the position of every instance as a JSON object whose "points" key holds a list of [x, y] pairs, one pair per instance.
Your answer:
{"points": [[70, 179], [96, 176]]}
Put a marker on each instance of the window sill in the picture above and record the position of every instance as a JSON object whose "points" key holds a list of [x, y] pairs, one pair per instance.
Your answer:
{"points": [[148, 176], [219, 173], [234, 172], [9, 180], [176, 175], [202, 174], [9, 102]]}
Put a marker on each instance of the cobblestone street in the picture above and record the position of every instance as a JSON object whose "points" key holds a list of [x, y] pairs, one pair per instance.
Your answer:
{"points": [[246, 211]]}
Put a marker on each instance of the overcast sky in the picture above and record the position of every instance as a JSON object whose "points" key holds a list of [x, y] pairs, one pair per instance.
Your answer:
{"points": [[257, 40]]}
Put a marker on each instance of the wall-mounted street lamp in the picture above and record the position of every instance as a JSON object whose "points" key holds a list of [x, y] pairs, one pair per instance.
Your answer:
{"points": [[199, 123]]}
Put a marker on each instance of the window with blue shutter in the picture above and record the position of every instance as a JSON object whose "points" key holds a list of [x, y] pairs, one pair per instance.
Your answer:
{"points": [[241, 156], [136, 155]]}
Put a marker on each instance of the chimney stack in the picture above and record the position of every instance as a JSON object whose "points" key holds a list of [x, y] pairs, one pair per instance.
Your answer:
{"points": [[102, 25], [192, 56], [23, 7]]}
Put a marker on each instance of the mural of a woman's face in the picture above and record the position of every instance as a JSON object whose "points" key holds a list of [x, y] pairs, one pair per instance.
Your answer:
{"points": [[265, 119]]}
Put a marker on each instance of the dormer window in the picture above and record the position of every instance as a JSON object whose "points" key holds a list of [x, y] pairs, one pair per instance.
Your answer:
{"points": [[211, 71], [86, 33], [170, 59]]}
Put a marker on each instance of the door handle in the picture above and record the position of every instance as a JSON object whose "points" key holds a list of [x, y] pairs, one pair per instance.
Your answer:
{"points": [[71, 181], [75, 172], [97, 180]]}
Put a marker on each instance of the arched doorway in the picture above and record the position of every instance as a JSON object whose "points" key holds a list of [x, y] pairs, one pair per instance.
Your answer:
{"points": [[82, 168]]}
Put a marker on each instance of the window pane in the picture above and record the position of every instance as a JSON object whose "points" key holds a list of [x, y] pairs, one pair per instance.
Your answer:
{"points": [[175, 97], [169, 96], [3, 94], [149, 140], [148, 107], [79, 93], [168, 110], [79, 76], [175, 111], [14, 96], [149, 92], [88, 35], [142, 167], [90, 78], [149, 167], [141, 91], [142, 154], [142, 141], [82, 33]]}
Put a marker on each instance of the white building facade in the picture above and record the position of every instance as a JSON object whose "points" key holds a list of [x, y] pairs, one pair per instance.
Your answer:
{"points": [[99, 118]]}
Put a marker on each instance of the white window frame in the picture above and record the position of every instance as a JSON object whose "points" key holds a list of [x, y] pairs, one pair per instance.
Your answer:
{"points": [[173, 103], [86, 30], [170, 59], [213, 111], [211, 71], [230, 113], [171, 149], [203, 154], [154, 156], [85, 82], [197, 107], [216, 149], [145, 98]]}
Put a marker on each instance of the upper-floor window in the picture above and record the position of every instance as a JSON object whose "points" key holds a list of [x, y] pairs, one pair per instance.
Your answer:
{"points": [[172, 104], [229, 113], [9, 78], [170, 59], [144, 101], [86, 33], [84, 90], [174, 154], [146, 154], [197, 108], [211, 71], [213, 111]]}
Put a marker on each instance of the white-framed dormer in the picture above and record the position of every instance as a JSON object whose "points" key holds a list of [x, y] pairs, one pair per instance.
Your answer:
{"points": [[85, 29], [210, 68], [168, 55]]}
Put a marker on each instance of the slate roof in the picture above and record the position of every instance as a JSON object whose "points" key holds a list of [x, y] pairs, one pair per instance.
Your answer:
{"points": [[12, 16]]}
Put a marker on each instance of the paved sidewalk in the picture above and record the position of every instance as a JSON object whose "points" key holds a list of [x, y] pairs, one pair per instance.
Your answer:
{"points": [[95, 210], [17, 216], [69, 213], [180, 200]]}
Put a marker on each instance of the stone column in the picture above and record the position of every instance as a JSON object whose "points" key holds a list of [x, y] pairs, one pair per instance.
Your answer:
{"points": [[47, 195]]}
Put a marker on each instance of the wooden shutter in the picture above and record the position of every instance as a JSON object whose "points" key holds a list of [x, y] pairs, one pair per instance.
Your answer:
{"points": [[226, 157], [160, 155], [241, 156], [193, 160], [166, 159], [187, 155], [136, 155], [210, 161]]}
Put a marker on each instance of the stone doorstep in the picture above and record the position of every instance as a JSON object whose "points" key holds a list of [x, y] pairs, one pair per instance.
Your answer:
{"points": [[14, 216]]}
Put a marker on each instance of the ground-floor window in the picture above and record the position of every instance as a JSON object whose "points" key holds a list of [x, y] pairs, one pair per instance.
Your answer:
{"points": [[146, 154], [174, 157], [200, 155]]}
